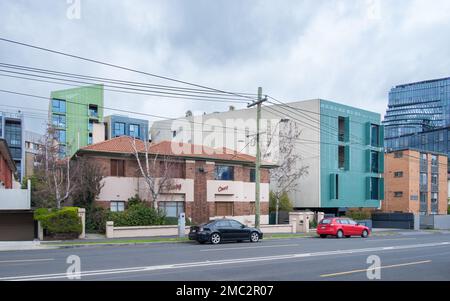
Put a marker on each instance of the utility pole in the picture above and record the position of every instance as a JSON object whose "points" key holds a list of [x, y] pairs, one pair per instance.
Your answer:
{"points": [[258, 156]]}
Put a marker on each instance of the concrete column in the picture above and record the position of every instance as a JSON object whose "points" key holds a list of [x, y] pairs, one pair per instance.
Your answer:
{"points": [[110, 229], [82, 215], [40, 231]]}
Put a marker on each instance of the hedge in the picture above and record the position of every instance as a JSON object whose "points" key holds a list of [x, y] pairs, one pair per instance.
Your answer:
{"points": [[137, 215], [59, 221]]}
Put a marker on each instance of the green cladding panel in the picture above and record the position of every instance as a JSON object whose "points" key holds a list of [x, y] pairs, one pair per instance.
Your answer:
{"points": [[78, 115], [354, 178]]}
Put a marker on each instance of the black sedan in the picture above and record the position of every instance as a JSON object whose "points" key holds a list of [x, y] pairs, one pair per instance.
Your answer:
{"points": [[224, 230]]}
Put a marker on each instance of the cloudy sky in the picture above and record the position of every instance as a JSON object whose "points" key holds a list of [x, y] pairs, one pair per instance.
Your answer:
{"points": [[347, 51]]}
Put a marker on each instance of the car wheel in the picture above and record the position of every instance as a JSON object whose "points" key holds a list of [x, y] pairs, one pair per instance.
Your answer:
{"points": [[365, 234], [215, 238], [323, 236], [254, 237], [339, 234]]}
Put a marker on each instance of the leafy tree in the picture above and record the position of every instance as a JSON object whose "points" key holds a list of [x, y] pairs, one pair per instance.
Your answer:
{"points": [[284, 203]]}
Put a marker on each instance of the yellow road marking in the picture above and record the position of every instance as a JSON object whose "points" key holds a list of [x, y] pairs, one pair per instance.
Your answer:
{"points": [[382, 267]]}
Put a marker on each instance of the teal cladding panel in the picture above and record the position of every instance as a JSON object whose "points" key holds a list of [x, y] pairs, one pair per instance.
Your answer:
{"points": [[353, 181]]}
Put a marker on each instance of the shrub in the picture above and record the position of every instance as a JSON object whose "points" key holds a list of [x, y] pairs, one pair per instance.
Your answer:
{"points": [[312, 223], [60, 221], [135, 200], [358, 214], [137, 215], [96, 218], [174, 221], [448, 209]]}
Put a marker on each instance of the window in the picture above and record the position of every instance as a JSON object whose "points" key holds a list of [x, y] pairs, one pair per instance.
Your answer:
{"points": [[341, 128], [342, 221], [326, 221], [134, 130], [252, 175], [224, 208], [90, 126], [223, 224], [434, 179], [117, 168], [398, 174], [398, 155], [58, 106], [13, 133], [235, 224], [119, 129], [172, 209], [89, 140], [434, 198], [398, 194], [375, 135], [341, 157], [434, 160], [61, 136], [59, 121], [93, 111], [351, 222], [374, 188], [223, 172], [374, 162], [117, 206], [423, 179], [174, 134]]}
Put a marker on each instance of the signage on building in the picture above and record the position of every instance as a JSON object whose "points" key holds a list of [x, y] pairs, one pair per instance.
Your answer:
{"points": [[175, 187], [222, 188]]}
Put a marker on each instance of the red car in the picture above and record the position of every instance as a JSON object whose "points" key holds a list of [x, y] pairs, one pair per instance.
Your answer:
{"points": [[340, 227]]}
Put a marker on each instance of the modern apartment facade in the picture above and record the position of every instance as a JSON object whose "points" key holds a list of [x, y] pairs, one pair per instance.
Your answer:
{"points": [[118, 125], [416, 182], [73, 113], [205, 185], [7, 166], [342, 147], [11, 129]]}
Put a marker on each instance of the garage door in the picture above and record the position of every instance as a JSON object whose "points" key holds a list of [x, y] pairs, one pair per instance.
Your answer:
{"points": [[16, 226]]}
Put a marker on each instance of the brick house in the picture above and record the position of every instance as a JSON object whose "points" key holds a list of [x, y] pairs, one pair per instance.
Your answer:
{"points": [[7, 166], [416, 182], [206, 184]]}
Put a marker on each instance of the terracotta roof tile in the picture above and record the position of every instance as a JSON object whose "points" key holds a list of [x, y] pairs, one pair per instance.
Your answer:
{"points": [[123, 144]]}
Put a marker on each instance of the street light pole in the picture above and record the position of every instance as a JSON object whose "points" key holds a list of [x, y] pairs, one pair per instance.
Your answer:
{"points": [[258, 156]]}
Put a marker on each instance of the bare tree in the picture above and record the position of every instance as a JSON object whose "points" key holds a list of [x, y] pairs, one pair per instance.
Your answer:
{"points": [[156, 170], [290, 168], [53, 171]]}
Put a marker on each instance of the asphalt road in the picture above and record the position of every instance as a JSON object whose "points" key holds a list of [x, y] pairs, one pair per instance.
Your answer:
{"points": [[421, 256]]}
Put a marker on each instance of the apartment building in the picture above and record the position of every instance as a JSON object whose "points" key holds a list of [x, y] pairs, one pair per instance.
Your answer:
{"points": [[206, 183], [11, 129], [74, 114], [416, 182], [342, 146], [119, 125]]}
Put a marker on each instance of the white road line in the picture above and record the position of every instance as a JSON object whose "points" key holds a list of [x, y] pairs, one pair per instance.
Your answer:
{"points": [[379, 268], [243, 248], [391, 239], [217, 262], [26, 260]]}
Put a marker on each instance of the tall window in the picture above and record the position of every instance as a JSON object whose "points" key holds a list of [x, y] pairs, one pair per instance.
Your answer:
{"points": [[374, 158], [434, 179], [134, 130], [58, 106], [341, 128], [375, 135], [117, 168], [119, 129], [341, 157], [224, 172], [423, 179], [13, 133], [252, 175], [434, 160], [374, 187]]}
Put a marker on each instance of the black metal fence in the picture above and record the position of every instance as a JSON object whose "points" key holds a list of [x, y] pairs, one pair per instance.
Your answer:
{"points": [[393, 220]]}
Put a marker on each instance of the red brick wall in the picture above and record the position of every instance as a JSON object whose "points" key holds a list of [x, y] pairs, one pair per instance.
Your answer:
{"points": [[5, 173], [200, 212]]}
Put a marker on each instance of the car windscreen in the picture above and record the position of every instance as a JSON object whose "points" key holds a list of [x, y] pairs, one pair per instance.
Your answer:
{"points": [[326, 221]]}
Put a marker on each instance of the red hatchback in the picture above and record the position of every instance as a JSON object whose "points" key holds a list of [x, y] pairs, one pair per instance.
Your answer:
{"points": [[341, 227]]}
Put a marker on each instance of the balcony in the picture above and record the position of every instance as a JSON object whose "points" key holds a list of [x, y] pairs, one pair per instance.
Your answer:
{"points": [[423, 166], [434, 169], [423, 207]]}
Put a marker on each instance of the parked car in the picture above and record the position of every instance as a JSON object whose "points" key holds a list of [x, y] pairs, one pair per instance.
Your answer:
{"points": [[224, 230], [341, 227]]}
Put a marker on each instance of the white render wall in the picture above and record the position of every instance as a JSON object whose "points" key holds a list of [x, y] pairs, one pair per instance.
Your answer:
{"points": [[308, 146]]}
